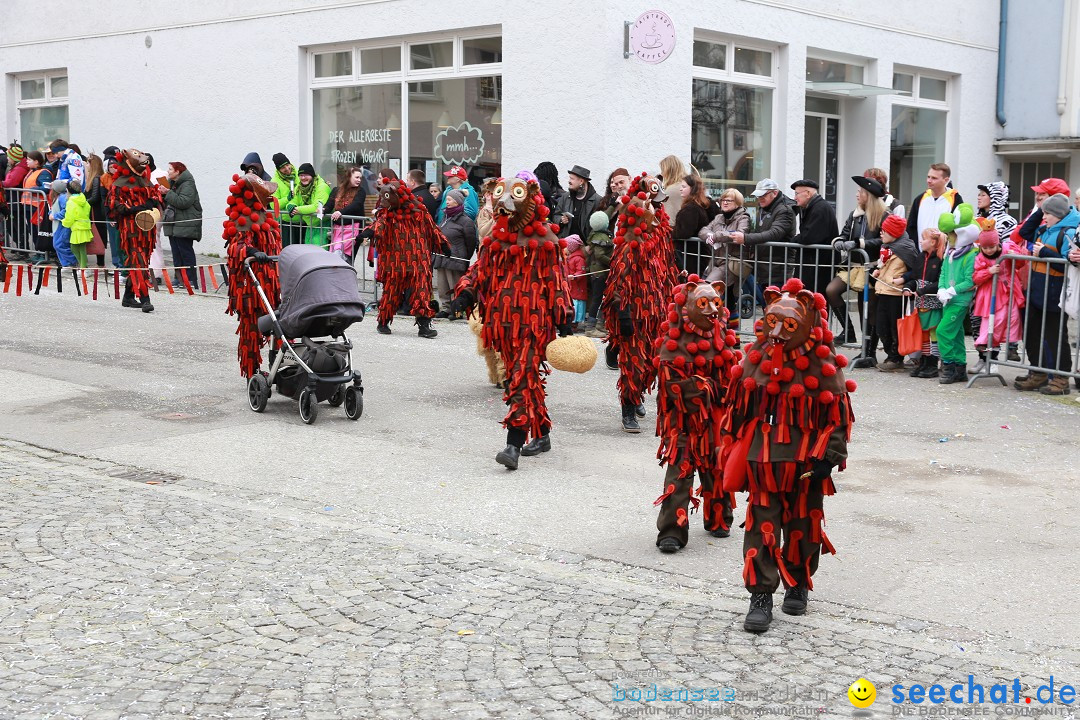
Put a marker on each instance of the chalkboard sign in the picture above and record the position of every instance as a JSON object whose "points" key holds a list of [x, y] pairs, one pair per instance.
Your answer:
{"points": [[832, 156]]}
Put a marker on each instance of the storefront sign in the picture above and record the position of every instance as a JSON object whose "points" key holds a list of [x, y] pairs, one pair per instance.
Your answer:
{"points": [[375, 146], [652, 36], [460, 145]]}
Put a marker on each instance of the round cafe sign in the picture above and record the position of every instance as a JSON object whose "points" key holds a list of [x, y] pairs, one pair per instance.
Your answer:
{"points": [[652, 36]]}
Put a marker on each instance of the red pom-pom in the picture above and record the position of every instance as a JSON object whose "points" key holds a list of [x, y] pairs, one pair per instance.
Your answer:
{"points": [[826, 396], [562, 242], [827, 337], [851, 386], [533, 244], [773, 388], [817, 334], [841, 361], [820, 302], [673, 317], [679, 361], [664, 327], [672, 346], [718, 361], [554, 229], [637, 231], [811, 382], [828, 369], [732, 338], [248, 194], [792, 286], [754, 356], [766, 367], [749, 383], [257, 205], [674, 333], [527, 230], [822, 351], [725, 356], [495, 246], [703, 345], [797, 390], [736, 372], [700, 361], [515, 250], [624, 199], [802, 362], [787, 374], [641, 196], [256, 227], [656, 362], [680, 299], [235, 177], [693, 278]]}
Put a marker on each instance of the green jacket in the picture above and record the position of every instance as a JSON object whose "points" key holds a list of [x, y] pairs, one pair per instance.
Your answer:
{"points": [[307, 205], [77, 218], [182, 204], [284, 193], [958, 273]]}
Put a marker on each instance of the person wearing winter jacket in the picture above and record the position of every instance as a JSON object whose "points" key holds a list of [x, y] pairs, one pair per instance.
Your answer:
{"points": [[998, 290], [939, 198], [1025, 231], [77, 221], [575, 275], [727, 265], [17, 167], [182, 221], [898, 254], [956, 289], [1046, 336], [598, 249], [253, 163], [817, 226], [775, 223], [69, 163], [307, 203], [693, 215], [460, 232], [922, 281]]}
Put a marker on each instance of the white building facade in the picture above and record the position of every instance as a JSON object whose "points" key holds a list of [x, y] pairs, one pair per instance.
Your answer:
{"points": [[748, 88]]}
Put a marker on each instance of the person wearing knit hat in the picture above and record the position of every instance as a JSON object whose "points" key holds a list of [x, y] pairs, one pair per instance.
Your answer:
{"points": [[17, 169], [576, 269], [310, 196], [462, 238], [898, 256], [285, 181], [598, 248], [15, 154], [1006, 300], [956, 289], [1046, 332]]}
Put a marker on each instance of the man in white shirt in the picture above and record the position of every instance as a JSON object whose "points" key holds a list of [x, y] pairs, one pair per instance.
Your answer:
{"points": [[939, 198]]}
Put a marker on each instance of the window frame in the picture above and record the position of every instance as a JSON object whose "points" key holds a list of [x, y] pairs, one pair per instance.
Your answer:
{"points": [[47, 101], [914, 100]]}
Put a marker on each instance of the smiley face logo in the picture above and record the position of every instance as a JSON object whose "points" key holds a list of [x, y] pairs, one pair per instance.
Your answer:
{"points": [[862, 693]]}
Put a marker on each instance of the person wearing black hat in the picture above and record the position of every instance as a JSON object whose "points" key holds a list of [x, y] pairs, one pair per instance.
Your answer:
{"points": [[292, 230], [253, 163], [862, 231], [817, 226], [574, 208]]}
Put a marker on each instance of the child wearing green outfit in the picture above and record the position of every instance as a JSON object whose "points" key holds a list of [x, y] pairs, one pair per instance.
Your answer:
{"points": [[956, 290]]}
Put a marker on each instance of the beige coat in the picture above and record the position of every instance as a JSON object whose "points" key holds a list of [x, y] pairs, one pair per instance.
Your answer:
{"points": [[894, 267]]}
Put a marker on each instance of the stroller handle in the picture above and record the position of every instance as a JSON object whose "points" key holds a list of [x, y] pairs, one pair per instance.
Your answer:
{"points": [[269, 258]]}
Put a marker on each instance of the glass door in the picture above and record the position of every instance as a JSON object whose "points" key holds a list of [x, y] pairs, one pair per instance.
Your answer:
{"points": [[821, 153]]}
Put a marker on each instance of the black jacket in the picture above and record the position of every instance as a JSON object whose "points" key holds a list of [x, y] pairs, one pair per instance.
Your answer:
{"points": [[353, 210], [869, 239], [581, 209], [818, 223], [927, 269], [460, 232]]}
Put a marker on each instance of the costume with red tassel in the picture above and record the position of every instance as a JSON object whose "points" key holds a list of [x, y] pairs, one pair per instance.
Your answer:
{"points": [[519, 287], [786, 428], [130, 192], [251, 231], [405, 237], [695, 356], [639, 282]]}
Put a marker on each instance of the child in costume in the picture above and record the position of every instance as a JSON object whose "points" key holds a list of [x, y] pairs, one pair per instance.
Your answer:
{"points": [[696, 354], [405, 237], [598, 251], [1008, 299], [638, 283], [77, 219], [786, 428], [575, 271], [956, 290], [131, 192], [518, 284], [922, 281], [898, 253], [251, 232], [61, 232]]}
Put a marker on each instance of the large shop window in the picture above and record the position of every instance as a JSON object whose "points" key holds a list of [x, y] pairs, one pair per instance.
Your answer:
{"points": [[919, 118], [404, 105], [732, 114], [42, 106]]}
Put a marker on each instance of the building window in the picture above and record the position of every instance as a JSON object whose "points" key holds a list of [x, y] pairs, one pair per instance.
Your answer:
{"points": [[42, 108], [430, 114], [731, 118], [919, 117], [818, 70], [1025, 175]]}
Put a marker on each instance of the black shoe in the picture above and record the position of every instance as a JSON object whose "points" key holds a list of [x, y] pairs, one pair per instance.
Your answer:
{"points": [[640, 410], [508, 456], [931, 369], [669, 545], [720, 532], [611, 357], [130, 301], [537, 446], [795, 601], [383, 329], [442, 315], [922, 365], [426, 331], [760, 616], [146, 306], [954, 373], [864, 362], [629, 419]]}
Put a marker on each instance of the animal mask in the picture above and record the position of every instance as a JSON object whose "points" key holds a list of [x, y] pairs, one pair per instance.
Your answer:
{"points": [[704, 304], [637, 207], [789, 317], [515, 199], [262, 189], [136, 160], [391, 194]]}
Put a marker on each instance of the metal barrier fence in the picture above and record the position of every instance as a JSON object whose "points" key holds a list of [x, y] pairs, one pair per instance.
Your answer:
{"points": [[346, 235], [28, 226], [747, 270], [1042, 327]]}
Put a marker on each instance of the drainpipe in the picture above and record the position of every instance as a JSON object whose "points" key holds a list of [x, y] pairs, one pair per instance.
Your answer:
{"points": [[1003, 26]]}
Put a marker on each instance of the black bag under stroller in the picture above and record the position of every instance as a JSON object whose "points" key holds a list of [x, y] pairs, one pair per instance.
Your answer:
{"points": [[319, 299]]}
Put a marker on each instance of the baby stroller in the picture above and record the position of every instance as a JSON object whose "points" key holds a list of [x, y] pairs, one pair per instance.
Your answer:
{"points": [[318, 300]]}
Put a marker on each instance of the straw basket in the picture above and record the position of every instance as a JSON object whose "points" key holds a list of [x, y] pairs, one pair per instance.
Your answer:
{"points": [[147, 219], [576, 353]]}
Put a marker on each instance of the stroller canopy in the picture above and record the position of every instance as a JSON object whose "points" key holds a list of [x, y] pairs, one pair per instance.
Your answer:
{"points": [[318, 292]]}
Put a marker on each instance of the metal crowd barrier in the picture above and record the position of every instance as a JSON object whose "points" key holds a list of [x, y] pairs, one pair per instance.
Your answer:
{"points": [[345, 236], [748, 269], [19, 229], [1044, 333]]}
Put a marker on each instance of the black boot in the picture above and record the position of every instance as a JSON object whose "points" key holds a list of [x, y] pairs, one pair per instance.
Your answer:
{"points": [[669, 545], [145, 304], [640, 410], [760, 616], [931, 369], [629, 418], [947, 372], [537, 446], [919, 366], [795, 601], [509, 455], [383, 329], [959, 374], [868, 359], [129, 296], [426, 331], [611, 357]]}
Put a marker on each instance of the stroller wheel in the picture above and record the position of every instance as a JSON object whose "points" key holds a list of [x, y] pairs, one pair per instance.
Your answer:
{"points": [[746, 306], [338, 397], [258, 392], [354, 403], [309, 408]]}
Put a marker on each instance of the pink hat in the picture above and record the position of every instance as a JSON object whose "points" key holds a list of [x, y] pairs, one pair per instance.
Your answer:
{"points": [[573, 242], [989, 239]]}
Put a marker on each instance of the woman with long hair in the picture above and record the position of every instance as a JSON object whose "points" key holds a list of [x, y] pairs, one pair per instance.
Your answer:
{"points": [[672, 171], [690, 253], [95, 196], [862, 231], [344, 206]]}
